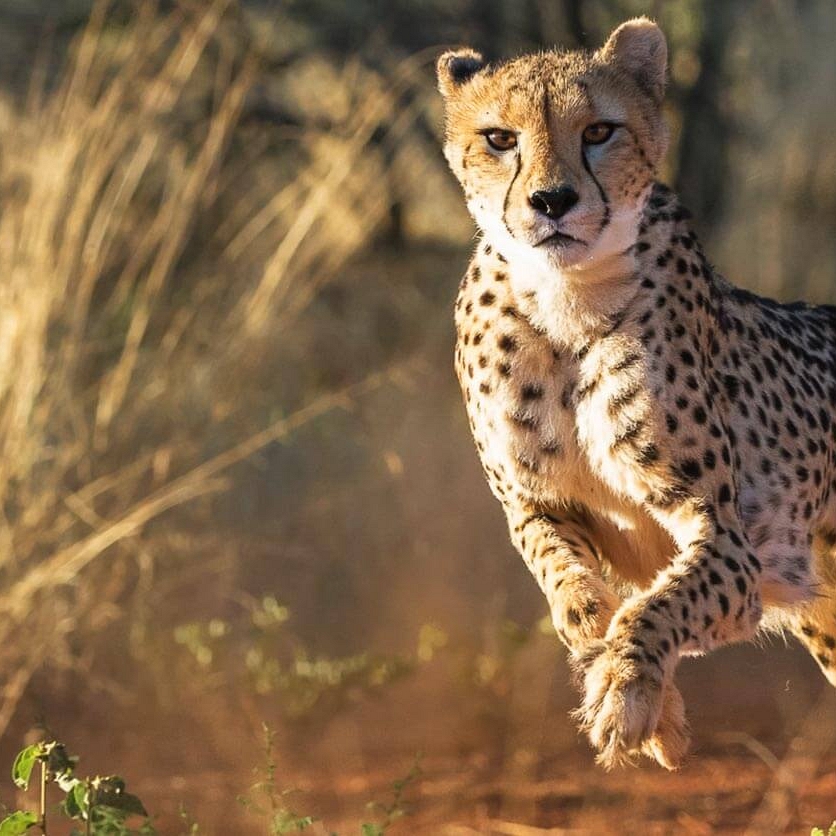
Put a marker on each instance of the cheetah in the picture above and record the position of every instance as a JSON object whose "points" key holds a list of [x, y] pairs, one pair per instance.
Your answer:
{"points": [[661, 441]]}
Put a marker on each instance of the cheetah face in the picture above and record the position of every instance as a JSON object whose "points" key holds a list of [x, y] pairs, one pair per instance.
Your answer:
{"points": [[557, 151]]}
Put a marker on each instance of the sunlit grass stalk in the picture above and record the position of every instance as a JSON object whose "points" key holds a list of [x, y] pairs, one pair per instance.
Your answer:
{"points": [[102, 195]]}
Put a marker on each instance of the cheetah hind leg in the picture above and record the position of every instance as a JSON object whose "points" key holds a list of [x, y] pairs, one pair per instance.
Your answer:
{"points": [[814, 624], [815, 628]]}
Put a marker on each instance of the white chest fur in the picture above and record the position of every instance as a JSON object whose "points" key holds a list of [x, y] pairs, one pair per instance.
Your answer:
{"points": [[520, 392], [541, 443]]}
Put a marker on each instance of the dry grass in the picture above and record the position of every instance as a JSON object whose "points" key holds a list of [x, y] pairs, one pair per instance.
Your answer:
{"points": [[140, 286]]}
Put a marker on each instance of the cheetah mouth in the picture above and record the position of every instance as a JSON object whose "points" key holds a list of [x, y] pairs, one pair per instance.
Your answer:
{"points": [[560, 239]]}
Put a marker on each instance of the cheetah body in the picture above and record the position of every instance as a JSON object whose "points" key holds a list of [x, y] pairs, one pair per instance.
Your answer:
{"points": [[546, 421], [662, 442]]}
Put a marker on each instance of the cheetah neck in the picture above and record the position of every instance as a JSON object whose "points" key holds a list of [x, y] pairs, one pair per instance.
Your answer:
{"points": [[572, 307]]}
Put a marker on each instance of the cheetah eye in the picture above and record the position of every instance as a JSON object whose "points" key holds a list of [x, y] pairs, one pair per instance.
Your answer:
{"points": [[501, 140], [597, 133]]}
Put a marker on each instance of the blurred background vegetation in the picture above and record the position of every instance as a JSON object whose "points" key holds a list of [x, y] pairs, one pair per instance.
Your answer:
{"points": [[236, 481]]}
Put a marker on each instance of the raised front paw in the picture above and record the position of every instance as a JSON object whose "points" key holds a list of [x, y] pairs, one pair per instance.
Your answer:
{"points": [[629, 709], [582, 612]]}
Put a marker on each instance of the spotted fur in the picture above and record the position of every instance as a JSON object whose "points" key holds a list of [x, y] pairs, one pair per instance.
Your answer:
{"points": [[662, 442]]}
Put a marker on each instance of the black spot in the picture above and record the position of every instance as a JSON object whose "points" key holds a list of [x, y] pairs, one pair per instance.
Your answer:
{"points": [[732, 386], [691, 469], [507, 343], [531, 392]]}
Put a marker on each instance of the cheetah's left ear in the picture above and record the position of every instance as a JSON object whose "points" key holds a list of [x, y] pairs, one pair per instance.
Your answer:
{"points": [[638, 46]]}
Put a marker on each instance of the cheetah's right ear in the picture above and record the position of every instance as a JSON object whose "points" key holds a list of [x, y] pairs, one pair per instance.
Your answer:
{"points": [[456, 67]]}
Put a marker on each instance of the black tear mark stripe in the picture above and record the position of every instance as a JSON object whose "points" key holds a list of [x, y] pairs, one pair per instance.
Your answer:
{"points": [[508, 195], [606, 201]]}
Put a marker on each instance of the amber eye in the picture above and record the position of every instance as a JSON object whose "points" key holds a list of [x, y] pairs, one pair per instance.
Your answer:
{"points": [[501, 140], [597, 133]]}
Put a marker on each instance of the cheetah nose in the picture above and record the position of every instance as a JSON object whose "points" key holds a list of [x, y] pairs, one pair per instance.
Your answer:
{"points": [[555, 203]]}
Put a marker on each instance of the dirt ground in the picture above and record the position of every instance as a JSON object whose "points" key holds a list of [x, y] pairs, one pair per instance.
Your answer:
{"points": [[501, 758], [763, 761], [510, 763]]}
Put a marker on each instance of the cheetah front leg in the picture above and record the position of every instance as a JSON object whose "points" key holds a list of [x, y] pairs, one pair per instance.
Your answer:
{"points": [[563, 559], [708, 596]]}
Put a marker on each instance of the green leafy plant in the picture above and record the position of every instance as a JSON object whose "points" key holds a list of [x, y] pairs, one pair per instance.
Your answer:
{"points": [[817, 831], [99, 801]]}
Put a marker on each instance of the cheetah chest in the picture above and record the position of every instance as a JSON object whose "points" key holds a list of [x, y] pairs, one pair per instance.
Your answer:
{"points": [[520, 394], [552, 427]]}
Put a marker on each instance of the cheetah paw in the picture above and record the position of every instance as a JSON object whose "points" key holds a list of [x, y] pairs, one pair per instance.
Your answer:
{"points": [[669, 743], [628, 710]]}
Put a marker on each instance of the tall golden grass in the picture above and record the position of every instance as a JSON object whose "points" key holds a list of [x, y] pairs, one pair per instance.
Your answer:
{"points": [[141, 283]]}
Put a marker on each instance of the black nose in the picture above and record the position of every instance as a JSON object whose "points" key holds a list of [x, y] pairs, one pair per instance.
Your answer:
{"points": [[555, 203]]}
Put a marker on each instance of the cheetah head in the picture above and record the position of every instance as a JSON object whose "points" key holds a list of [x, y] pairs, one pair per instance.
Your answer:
{"points": [[557, 151]]}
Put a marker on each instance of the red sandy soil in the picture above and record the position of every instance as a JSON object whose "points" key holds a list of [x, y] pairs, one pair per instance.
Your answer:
{"points": [[505, 762], [763, 759]]}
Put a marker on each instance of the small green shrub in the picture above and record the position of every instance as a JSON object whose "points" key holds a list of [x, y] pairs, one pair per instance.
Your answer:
{"points": [[104, 808], [817, 831], [100, 801]]}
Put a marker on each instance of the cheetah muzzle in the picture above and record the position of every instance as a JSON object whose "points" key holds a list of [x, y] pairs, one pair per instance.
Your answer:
{"points": [[662, 442]]}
